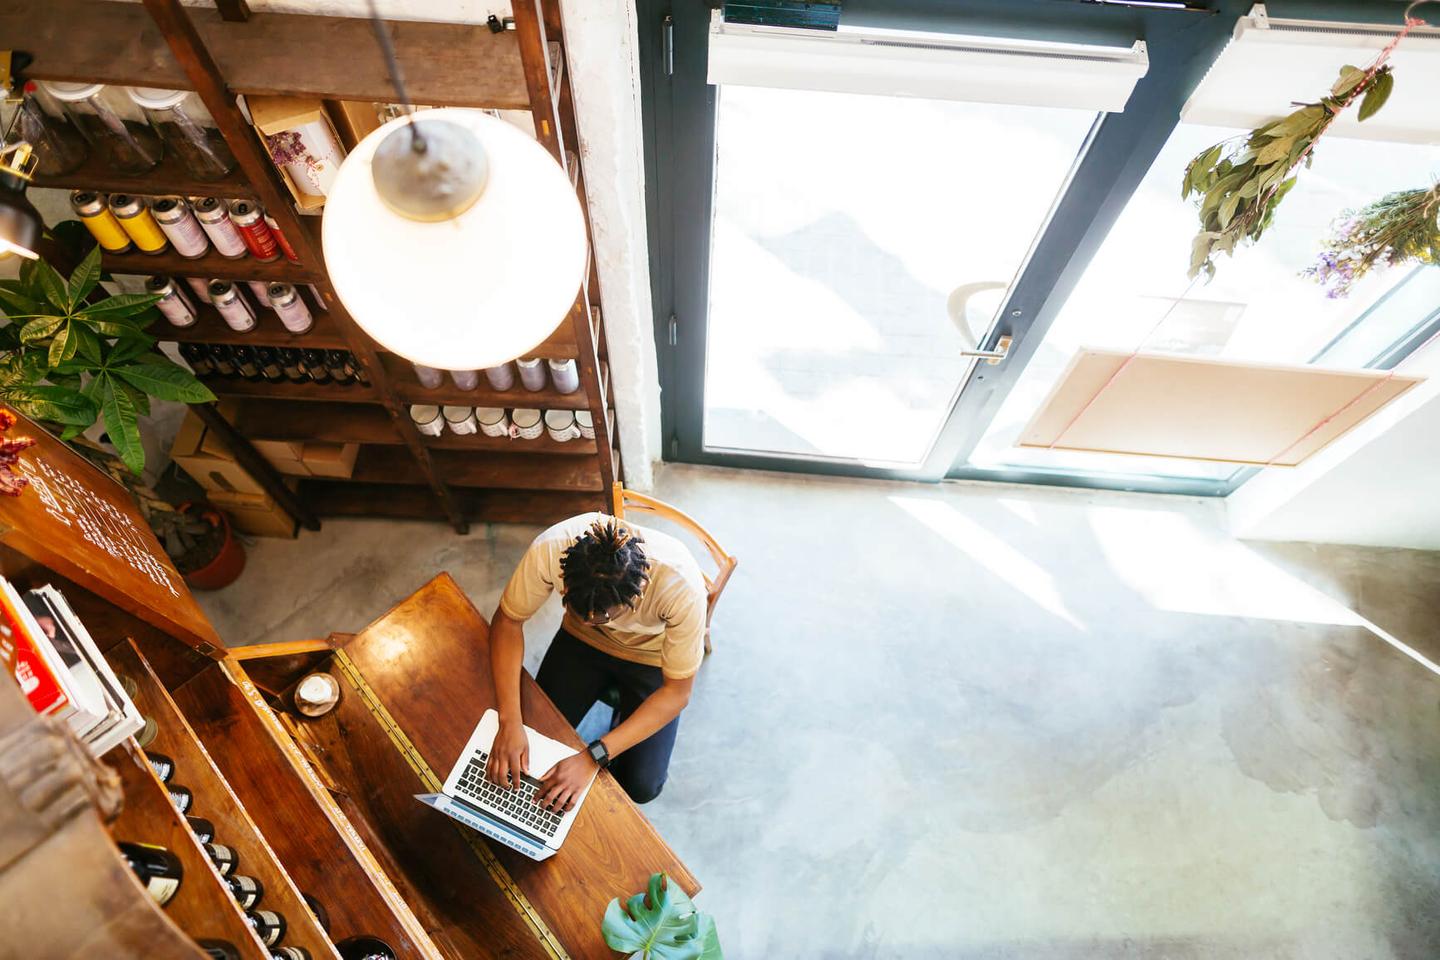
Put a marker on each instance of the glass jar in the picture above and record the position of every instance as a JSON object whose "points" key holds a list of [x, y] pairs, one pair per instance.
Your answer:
{"points": [[56, 141], [429, 377], [111, 121], [532, 373], [466, 380], [564, 375], [187, 129], [502, 377]]}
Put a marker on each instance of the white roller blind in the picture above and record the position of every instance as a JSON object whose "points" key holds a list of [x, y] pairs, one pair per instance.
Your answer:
{"points": [[934, 66], [1270, 63]]}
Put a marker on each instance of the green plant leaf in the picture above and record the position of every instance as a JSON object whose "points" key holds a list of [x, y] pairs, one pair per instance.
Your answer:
{"points": [[661, 924], [71, 432], [1376, 94], [1227, 209], [1350, 77], [66, 341], [165, 380], [89, 344], [55, 404], [84, 278], [121, 423], [41, 327], [127, 347], [140, 399], [52, 285], [17, 304], [119, 306], [1276, 149], [22, 367]]}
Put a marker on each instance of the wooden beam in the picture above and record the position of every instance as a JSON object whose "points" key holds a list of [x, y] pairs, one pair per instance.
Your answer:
{"points": [[233, 11], [446, 64]]}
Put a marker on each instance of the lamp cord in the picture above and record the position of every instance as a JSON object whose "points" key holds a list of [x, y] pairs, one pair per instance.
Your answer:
{"points": [[397, 76]]}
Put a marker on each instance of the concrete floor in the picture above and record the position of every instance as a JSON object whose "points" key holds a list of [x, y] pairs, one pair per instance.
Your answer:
{"points": [[1000, 722]]}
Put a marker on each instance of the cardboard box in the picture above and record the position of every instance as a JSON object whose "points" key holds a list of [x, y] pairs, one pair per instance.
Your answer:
{"points": [[258, 515], [212, 464], [331, 459], [284, 455], [353, 119], [272, 115]]}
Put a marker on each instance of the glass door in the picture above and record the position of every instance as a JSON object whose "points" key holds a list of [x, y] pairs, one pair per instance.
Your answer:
{"points": [[860, 247]]}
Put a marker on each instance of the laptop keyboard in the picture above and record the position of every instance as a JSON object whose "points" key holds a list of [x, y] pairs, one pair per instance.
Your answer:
{"points": [[517, 804]]}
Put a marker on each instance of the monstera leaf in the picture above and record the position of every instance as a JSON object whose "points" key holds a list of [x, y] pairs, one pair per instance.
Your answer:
{"points": [[661, 924]]}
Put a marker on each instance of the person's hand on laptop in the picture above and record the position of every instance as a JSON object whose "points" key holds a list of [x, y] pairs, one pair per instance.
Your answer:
{"points": [[509, 755], [564, 782]]}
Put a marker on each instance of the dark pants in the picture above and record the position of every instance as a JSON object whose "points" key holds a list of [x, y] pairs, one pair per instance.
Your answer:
{"points": [[575, 675]]}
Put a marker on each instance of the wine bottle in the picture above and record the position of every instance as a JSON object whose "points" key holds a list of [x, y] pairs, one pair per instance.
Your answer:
{"points": [[364, 948], [314, 365], [180, 796], [163, 766], [321, 915], [290, 953], [224, 858], [247, 891], [268, 926], [203, 829], [218, 949], [198, 357], [268, 359], [159, 870]]}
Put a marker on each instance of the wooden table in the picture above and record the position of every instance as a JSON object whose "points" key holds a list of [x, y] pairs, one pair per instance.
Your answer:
{"points": [[415, 683]]}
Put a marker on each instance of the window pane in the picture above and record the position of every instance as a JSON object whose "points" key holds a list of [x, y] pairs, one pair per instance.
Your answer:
{"points": [[1257, 308], [842, 223]]}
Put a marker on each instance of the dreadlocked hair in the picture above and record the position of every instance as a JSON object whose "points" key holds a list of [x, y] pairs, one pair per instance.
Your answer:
{"points": [[606, 567]]}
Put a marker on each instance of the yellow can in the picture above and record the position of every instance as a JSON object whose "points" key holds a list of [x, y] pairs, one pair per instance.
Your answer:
{"points": [[94, 212], [134, 216]]}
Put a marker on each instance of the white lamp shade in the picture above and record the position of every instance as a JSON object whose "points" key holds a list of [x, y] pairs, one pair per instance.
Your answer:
{"points": [[467, 293]]}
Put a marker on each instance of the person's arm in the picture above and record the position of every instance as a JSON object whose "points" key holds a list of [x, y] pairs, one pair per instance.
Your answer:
{"points": [[510, 754], [565, 781]]}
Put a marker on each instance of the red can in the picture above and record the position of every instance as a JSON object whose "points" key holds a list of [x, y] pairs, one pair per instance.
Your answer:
{"points": [[259, 239], [285, 247]]}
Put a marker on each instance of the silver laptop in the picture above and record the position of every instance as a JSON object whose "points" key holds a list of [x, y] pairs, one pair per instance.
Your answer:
{"points": [[508, 816]]}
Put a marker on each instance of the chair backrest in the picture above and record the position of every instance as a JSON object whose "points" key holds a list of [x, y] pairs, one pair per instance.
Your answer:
{"points": [[627, 502]]}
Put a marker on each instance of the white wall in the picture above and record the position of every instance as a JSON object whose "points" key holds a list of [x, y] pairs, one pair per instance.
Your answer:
{"points": [[1378, 486]]}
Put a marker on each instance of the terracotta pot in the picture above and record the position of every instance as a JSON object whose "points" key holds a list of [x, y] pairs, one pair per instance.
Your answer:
{"points": [[228, 564]]}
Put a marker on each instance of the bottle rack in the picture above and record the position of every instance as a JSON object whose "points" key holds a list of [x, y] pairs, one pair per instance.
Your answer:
{"points": [[514, 69]]}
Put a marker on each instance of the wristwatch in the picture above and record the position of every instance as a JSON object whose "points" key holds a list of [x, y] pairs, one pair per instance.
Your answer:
{"points": [[599, 754]]}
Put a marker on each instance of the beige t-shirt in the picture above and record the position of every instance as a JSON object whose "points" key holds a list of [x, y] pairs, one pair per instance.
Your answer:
{"points": [[667, 627]]}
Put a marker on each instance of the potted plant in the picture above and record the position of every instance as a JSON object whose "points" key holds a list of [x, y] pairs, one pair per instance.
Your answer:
{"points": [[69, 357], [661, 924]]}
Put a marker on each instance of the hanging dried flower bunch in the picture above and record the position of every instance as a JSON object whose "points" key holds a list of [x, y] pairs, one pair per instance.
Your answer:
{"points": [[1239, 182], [1398, 228]]}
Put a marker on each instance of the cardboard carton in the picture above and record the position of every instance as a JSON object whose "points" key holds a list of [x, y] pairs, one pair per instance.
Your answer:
{"points": [[331, 459], [211, 464], [258, 515]]}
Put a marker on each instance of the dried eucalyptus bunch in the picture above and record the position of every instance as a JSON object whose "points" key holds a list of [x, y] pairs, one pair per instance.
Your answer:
{"points": [[1239, 182]]}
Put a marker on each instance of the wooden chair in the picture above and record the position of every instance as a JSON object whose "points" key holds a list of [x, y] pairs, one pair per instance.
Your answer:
{"points": [[628, 501]]}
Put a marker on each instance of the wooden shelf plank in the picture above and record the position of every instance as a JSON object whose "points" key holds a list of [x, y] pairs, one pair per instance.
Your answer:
{"points": [[216, 802], [268, 332], [202, 906], [312, 838], [210, 266], [446, 64], [235, 387], [479, 443], [170, 178], [335, 498], [499, 471]]}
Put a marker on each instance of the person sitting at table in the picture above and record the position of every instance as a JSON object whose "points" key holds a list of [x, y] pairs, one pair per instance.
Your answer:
{"points": [[634, 619]]}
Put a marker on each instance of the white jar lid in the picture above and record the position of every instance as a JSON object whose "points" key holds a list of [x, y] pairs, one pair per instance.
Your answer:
{"points": [[456, 414], [583, 418], [561, 364], [525, 418], [489, 414], [528, 361], [156, 98], [72, 92], [423, 412]]}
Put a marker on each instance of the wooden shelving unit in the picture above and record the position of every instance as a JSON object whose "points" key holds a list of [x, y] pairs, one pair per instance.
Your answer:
{"points": [[337, 58]]}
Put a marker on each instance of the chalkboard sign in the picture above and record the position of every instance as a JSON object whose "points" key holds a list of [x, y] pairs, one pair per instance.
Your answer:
{"points": [[83, 525]]}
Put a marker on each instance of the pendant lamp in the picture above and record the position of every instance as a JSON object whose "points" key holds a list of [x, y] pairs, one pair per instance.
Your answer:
{"points": [[20, 223], [454, 239]]}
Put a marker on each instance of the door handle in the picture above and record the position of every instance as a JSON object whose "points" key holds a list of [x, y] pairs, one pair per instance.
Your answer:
{"points": [[992, 357]]}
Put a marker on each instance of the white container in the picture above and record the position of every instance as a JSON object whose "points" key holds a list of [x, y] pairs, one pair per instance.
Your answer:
{"points": [[214, 217], [586, 423], [560, 424], [259, 289], [492, 421], [201, 287], [528, 424], [466, 380], [427, 419], [429, 377], [460, 420], [232, 305], [501, 377], [532, 373], [310, 154], [564, 375], [180, 226]]}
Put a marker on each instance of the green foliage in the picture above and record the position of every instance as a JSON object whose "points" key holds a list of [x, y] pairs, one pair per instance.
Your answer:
{"points": [[1240, 182], [661, 924], [69, 362]]}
